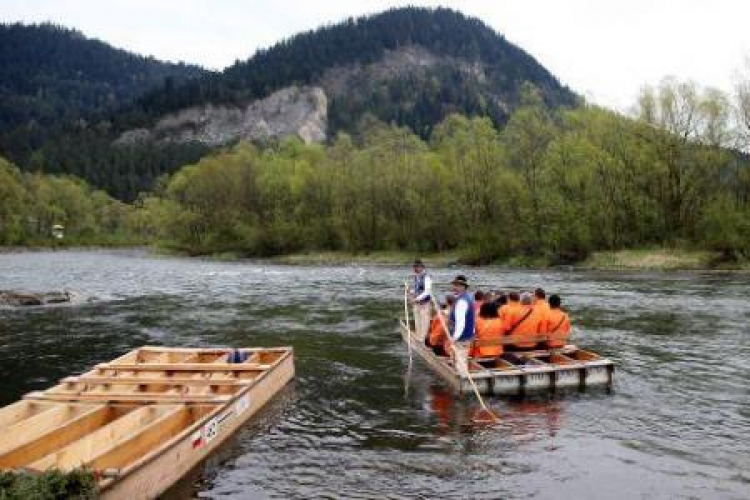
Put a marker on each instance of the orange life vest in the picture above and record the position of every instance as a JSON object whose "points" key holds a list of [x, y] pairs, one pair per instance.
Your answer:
{"points": [[489, 329], [509, 314], [437, 332], [542, 305], [530, 323], [557, 328]]}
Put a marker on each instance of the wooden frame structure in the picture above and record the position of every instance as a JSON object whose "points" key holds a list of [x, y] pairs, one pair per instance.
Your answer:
{"points": [[519, 372], [142, 421]]}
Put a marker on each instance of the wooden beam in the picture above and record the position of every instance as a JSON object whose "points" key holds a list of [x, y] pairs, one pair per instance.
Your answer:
{"points": [[36, 444], [82, 451], [142, 440], [131, 397], [20, 410], [198, 382], [183, 367]]}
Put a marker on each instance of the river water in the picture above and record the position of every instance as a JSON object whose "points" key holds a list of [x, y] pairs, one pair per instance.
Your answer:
{"points": [[356, 423]]}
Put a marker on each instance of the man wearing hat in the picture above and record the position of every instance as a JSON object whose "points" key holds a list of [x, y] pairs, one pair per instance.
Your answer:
{"points": [[421, 296], [462, 323]]}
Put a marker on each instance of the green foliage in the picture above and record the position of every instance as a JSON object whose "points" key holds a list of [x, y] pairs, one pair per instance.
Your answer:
{"points": [[725, 227], [51, 485], [12, 204], [30, 204], [552, 186]]}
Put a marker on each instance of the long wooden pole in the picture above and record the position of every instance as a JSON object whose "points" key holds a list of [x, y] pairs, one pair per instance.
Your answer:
{"points": [[406, 316], [468, 375]]}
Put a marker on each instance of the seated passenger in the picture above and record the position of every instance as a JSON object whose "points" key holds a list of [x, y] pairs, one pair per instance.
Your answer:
{"points": [[501, 300], [557, 325], [478, 301], [489, 327], [540, 300], [436, 338], [527, 324], [509, 311]]}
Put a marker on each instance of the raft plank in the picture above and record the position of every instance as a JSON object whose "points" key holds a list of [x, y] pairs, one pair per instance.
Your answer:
{"points": [[81, 452], [133, 397], [18, 411], [143, 439], [34, 445], [183, 367], [166, 380]]}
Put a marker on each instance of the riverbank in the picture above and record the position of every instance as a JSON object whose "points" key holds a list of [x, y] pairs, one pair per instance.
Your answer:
{"points": [[659, 259], [78, 248], [663, 259]]}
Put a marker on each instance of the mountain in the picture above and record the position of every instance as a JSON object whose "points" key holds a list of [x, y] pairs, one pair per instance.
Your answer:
{"points": [[51, 75], [410, 66]]}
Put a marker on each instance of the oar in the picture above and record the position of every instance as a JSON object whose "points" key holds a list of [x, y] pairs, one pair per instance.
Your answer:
{"points": [[495, 418]]}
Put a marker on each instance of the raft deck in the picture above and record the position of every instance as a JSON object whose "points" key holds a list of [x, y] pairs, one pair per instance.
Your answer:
{"points": [[518, 373], [144, 420]]}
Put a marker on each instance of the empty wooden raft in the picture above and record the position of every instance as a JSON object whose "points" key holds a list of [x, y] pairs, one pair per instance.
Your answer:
{"points": [[143, 420], [520, 372]]}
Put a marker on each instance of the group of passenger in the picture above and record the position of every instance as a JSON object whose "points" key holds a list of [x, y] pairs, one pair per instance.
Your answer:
{"points": [[486, 324]]}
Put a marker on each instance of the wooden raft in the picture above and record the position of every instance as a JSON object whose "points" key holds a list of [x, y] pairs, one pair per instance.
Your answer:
{"points": [[521, 372], [143, 420]]}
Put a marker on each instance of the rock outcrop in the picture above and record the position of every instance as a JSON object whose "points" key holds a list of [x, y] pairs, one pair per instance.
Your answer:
{"points": [[407, 60], [301, 111], [17, 298]]}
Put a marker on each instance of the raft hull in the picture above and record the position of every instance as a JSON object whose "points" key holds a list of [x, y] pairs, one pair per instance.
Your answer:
{"points": [[144, 420], [536, 371]]}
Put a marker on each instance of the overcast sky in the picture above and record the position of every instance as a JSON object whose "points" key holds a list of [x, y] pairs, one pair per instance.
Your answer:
{"points": [[604, 49]]}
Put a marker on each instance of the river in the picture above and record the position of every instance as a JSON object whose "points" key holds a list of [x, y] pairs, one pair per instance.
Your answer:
{"points": [[356, 424]]}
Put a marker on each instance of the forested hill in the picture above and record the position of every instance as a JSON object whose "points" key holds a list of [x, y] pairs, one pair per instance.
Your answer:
{"points": [[50, 75], [409, 66], [463, 66]]}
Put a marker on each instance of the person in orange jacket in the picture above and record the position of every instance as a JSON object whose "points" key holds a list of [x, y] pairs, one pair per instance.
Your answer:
{"points": [[478, 301], [527, 325], [489, 327], [557, 325], [510, 310], [540, 301], [436, 338]]}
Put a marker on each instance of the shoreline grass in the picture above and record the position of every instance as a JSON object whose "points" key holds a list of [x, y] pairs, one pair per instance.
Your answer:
{"points": [[653, 259]]}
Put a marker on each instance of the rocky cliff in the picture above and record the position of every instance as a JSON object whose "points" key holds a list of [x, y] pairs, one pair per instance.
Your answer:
{"points": [[301, 111], [294, 110]]}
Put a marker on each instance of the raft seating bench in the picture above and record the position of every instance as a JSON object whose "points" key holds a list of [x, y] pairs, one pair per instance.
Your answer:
{"points": [[537, 361], [517, 360], [165, 377]]}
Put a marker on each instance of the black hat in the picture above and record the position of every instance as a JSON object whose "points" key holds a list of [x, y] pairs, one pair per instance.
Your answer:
{"points": [[418, 262], [460, 280]]}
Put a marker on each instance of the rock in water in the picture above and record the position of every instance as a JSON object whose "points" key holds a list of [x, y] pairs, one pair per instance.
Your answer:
{"points": [[55, 297], [19, 299]]}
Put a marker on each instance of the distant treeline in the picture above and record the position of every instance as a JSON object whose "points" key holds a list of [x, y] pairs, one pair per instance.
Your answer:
{"points": [[555, 184]]}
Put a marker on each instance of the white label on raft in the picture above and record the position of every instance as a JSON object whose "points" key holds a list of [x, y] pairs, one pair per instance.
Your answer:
{"points": [[242, 405], [211, 429]]}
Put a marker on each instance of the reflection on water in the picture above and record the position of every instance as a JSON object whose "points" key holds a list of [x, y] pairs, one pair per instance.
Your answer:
{"points": [[675, 424]]}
